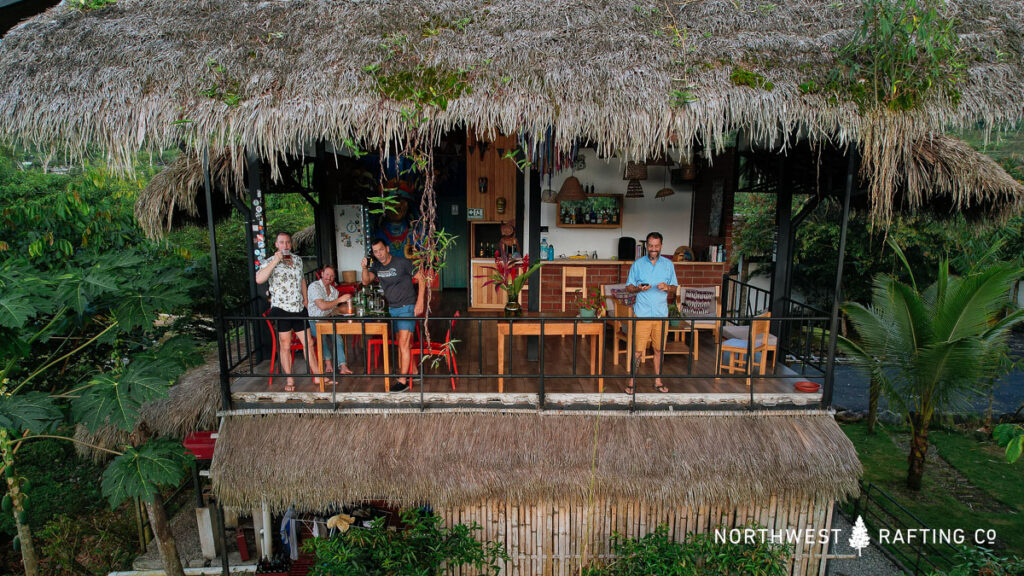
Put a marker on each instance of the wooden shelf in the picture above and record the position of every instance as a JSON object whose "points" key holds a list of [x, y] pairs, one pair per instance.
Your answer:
{"points": [[589, 225]]}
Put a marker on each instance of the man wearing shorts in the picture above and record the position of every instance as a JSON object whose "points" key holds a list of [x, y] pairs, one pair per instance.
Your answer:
{"points": [[287, 301], [653, 280], [404, 299]]}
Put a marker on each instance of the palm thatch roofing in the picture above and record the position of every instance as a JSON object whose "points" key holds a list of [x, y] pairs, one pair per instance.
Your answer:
{"points": [[191, 405], [457, 459], [176, 187], [272, 76]]}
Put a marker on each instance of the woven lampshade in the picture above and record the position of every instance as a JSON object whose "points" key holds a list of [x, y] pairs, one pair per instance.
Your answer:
{"points": [[634, 189], [664, 193], [571, 190], [635, 171]]}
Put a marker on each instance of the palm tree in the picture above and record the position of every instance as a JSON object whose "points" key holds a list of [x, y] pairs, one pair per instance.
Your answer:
{"points": [[930, 349]]}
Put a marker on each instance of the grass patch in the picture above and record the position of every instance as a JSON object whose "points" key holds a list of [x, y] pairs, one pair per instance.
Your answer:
{"points": [[976, 489]]}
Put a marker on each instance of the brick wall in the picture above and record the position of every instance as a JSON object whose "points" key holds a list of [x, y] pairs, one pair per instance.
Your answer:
{"points": [[693, 274]]}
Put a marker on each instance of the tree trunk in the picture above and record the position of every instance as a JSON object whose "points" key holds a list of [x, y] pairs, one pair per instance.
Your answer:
{"points": [[28, 549], [164, 539], [918, 451], [873, 392]]}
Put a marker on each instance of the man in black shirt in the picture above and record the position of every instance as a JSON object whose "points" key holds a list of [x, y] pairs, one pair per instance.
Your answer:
{"points": [[404, 300]]}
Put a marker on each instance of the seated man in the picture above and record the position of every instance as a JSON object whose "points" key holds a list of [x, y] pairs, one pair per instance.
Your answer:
{"points": [[404, 299], [323, 297]]}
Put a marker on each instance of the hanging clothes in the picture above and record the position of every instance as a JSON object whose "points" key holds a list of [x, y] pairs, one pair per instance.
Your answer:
{"points": [[288, 537]]}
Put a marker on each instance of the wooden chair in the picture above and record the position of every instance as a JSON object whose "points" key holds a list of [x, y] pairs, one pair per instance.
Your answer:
{"points": [[698, 325], [622, 332], [739, 348], [573, 272]]}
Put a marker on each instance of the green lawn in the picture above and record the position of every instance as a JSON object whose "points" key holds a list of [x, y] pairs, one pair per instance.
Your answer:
{"points": [[991, 497]]}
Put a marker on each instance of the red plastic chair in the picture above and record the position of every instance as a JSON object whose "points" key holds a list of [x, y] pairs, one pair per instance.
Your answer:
{"points": [[296, 346], [440, 349]]}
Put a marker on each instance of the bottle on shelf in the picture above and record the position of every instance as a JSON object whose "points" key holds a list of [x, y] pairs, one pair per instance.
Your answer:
{"points": [[544, 247]]}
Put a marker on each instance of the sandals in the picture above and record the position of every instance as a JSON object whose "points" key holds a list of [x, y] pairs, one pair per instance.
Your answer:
{"points": [[661, 388], [629, 390], [289, 387]]}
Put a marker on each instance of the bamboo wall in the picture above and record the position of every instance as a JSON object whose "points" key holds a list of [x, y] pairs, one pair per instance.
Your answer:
{"points": [[554, 539]]}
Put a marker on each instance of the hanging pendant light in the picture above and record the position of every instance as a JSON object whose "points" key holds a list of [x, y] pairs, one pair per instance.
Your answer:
{"points": [[571, 190], [665, 192], [634, 189]]}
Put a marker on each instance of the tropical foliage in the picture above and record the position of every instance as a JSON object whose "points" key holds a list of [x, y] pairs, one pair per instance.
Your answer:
{"points": [[930, 348], [509, 273], [422, 546], [84, 332], [657, 553]]}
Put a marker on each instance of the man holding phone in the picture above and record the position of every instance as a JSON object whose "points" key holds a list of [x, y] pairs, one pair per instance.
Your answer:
{"points": [[653, 280]]}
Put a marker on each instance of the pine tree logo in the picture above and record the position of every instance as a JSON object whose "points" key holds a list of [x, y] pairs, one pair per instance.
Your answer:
{"points": [[859, 540]]}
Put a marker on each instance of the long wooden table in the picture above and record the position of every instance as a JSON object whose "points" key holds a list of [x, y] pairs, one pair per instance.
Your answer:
{"points": [[350, 328], [532, 327]]}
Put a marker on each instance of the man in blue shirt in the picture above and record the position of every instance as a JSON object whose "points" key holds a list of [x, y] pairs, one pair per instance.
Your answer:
{"points": [[653, 280]]}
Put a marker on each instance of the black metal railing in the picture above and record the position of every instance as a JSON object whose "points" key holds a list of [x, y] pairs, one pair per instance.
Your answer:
{"points": [[741, 299], [915, 554], [490, 352], [808, 339]]}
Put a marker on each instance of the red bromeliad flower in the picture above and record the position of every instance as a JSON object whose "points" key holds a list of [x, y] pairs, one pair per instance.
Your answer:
{"points": [[509, 273]]}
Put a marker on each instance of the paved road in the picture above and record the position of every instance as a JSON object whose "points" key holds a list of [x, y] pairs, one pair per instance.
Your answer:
{"points": [[851, 388]]}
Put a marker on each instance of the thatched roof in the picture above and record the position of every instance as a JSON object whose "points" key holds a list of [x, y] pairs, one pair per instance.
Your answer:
{"points": [[191, 405], [315, 460], [948, 173], [271, 76], [176, 188]]}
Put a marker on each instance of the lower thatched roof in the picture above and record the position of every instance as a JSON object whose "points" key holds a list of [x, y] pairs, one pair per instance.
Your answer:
{"points": [[191, 405], [455, 459], [176, 188]]}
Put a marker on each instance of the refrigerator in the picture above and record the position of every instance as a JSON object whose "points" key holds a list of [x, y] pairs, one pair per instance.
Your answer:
{"points": [[352, 234]]}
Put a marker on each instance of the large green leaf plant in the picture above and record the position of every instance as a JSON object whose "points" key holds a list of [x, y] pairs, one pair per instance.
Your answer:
{"points": [[932, 348], [81, 292]]}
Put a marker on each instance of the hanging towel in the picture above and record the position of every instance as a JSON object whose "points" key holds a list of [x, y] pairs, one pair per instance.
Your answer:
{"points": [[288, 537]]}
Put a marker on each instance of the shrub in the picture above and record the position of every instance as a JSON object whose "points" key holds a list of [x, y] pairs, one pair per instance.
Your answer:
{"points": [[422, 547], [982, 562], [657, 554]]}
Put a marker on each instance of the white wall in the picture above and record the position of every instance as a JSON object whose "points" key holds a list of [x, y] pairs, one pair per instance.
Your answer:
{"points": [[670, 216]]}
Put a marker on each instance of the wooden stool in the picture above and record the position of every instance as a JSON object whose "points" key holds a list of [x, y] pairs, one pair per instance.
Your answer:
{"points": [[573, 272]]}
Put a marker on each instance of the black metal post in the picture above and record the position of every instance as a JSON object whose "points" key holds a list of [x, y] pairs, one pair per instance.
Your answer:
{"points": [[225, 569], [222, 350], [533, 300], [833, 333], [253, 167], [782, 273]]}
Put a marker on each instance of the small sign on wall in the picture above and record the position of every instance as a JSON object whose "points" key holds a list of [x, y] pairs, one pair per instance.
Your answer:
{"points": [[474, 214]]}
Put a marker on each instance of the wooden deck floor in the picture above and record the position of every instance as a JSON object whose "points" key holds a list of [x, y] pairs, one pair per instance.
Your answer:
{"points": [[688, 381]]}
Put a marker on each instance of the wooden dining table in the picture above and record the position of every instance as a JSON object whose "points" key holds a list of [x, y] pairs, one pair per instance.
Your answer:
{"points": [[530, 325], [344, 326]]}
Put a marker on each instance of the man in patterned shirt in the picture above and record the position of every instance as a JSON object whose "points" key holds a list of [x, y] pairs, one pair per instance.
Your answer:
{"points": [[287, 301]]}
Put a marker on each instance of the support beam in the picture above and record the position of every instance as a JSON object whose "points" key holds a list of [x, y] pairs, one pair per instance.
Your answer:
{"points": [[833, 333], [253, 176], [532, 237], [218, 304], [782, 274]]}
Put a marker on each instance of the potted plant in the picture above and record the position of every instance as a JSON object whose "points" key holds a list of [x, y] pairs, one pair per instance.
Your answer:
{"points": [[591, 305], [510, 273]]}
